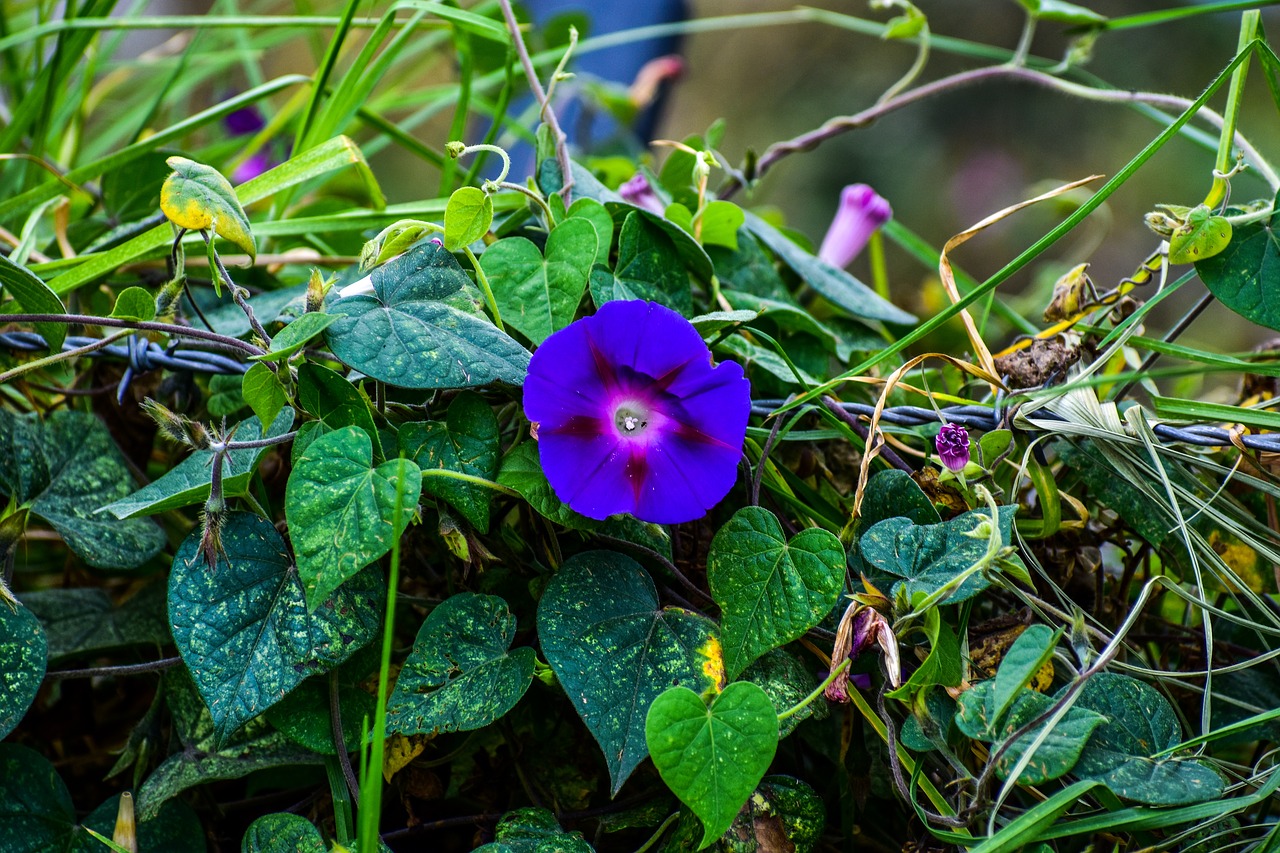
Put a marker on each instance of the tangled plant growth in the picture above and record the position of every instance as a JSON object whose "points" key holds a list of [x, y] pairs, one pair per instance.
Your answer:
{"points": [[595, 510]]}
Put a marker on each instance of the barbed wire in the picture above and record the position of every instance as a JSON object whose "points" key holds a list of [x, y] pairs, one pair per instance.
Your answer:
{"points": [[143, 356]]}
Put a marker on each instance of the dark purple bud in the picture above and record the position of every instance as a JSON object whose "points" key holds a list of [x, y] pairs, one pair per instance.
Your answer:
{"points": [[953, 446], [861, 212], [244, 121]]}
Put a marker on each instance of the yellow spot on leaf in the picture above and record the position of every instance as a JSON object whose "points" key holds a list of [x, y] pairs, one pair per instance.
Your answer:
{"points": [[402, 749], [713, 662]]}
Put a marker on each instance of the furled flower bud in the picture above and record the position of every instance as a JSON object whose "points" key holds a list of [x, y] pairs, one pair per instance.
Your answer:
{"points": [[861, 212], [953, 446], [638, 192], [860, 627]]}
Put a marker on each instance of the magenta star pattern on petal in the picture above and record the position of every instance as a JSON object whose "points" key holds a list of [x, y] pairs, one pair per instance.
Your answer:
{"points": [[861, 212], [632, 417], [953, 446]]}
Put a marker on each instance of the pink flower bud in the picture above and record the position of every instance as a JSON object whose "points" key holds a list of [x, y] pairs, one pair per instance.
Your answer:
{"points": [[638, 192], [861, 212]]}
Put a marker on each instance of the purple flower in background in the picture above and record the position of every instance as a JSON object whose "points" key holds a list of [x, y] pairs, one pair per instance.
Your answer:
{"points": [[638, 192], [953, 446], [632, 416], [861, 212], [243, 122]]}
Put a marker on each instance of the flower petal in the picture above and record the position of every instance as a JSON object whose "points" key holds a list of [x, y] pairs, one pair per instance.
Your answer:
{"points": [[564, 380]]}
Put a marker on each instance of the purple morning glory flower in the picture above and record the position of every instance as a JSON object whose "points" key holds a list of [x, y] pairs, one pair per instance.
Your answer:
{"points": [[861, 212], [638, 192], [953, 446], [251, 168], [632, 417], [244, 121]]}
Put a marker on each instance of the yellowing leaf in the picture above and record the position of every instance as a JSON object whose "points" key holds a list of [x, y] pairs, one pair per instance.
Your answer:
{"points": [[198, 198], [402, 749]]}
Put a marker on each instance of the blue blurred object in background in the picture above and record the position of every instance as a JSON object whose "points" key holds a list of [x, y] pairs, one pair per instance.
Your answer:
{"points": [[611, 76]]}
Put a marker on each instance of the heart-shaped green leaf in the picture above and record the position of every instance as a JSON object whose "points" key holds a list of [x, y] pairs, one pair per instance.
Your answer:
{"points": [[1246, 274], [84, 620], [533, 830], [595, 213], [294, 336], [243, 626], [1203, 235], [461, 674], [24, 651], [1141, 724], [134, 303], [467, 217], [466, 441], [188, 482], [770, 591], [649, 267], [614, 650], [402, 334], [340, 509], [263, 391], [336, 403], [540, 295], [712, 757], [283, 833], [198, 198]]}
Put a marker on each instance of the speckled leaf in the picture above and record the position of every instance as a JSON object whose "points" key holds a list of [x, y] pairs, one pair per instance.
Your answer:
{"points": [[785, 681], [614, 650], [689, 252], [649, 266], [1140, 724], [467, 217], [922, 558], [35, 808], [403, 335], [198, 198], [535, 295], [1244, 276], [244, 629], [892, 494], [533, 830], [836, 285], [784, 814], [340, 509], [303, 714], [1056, 756], [79, 621], [79, 468], [465, 441], [335, 402], [23, 655], [461, 674], [34, 297], [522, 471], [770, 591], [187, 482], [283, 833], [175, 829], [712, 757]]}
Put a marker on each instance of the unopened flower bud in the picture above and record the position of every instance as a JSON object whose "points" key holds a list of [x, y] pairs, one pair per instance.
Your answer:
{"points": [[861, 212], [953, 447]]}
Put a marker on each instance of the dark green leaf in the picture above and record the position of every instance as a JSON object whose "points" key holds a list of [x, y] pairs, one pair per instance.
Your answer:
{"points": [[712, 757], [467, 217], [303, 714], [336, 403], [614, 650], [80, 621], [461, 674], [942, 666], [1246, 274], [841, 289], [1141, 723], [465, 441], [785, 681], [24, 652], [921, 558], [78, 470], [749, 270], [264, 393], [533, 830], [1032, 649], [649, 266], [404, 336], [341, 509], [283, 833], [535, 295], [188, 482], [35, 808], [770, 591], [35, 297], [175, 829], [243, 626], [717, 321]]}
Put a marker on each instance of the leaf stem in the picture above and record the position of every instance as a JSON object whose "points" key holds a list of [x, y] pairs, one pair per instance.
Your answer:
{"points": [[817, 691], [470, 478], [138, 325], [130, 669], [483, 281]]}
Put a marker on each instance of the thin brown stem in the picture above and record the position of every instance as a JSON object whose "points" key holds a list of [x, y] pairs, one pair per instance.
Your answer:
{"points": [[138, 325], [130, 669]]}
